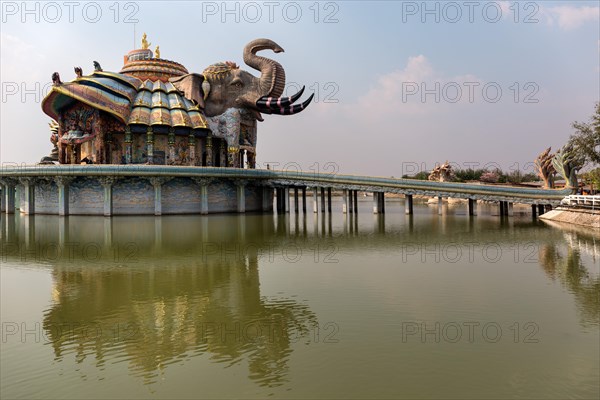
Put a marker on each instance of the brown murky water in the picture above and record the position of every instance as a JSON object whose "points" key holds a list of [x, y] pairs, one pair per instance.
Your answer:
{"points": [[228, 306]]}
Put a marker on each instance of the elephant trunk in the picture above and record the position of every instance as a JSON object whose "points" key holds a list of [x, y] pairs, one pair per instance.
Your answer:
{"points": [[272, 78]]}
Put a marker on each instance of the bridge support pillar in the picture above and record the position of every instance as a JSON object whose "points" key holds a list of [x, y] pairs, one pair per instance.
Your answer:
{"points": [[267, 199], [304, 200], [315, 201], [329, 200], [351, 201], [408, 204], [280, 200], [286, 199], [548, 207], [345, 202], [510, 211], [472, 207], [296, 200], [440, 205], [540, 209], [501, 211], [9, 198], [322, 199], [533, 210], [29, 191], [375, 202], [356, 201]]}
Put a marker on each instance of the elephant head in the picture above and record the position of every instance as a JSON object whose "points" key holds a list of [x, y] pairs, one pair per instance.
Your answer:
{"points": [[224, 85]]}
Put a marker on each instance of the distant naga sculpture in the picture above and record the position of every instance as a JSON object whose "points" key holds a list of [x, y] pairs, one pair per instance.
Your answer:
{"points": [[545, 168], [442, 173], [566, 164]]}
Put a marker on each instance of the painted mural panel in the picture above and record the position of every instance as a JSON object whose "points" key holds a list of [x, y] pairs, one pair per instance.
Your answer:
{"points": [[86, 196], [133, 196]]}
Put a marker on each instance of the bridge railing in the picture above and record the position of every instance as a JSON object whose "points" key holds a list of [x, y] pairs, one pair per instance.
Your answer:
{"points": [[592, 202]]}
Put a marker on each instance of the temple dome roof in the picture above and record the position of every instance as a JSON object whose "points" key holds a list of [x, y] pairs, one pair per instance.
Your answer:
{"points": [[142, 64]]}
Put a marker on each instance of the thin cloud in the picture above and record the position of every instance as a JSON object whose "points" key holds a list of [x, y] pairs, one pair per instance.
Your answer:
{"points": [[571, 17]]}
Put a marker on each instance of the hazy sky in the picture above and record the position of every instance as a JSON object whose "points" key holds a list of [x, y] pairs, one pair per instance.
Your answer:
{"points": [[399, 85]]}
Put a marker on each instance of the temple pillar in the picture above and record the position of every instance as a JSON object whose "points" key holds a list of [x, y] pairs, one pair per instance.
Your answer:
{"points": [[192, 149], [63, 183], [296, 200], [209, 151], [251, 159], [408, 204], [29, 192], [171, 146], [241, 196], [232, 157], [150, 145], [223, 153], [128, 146], [107, 183], [440, 205], [322, 199], [315, 203]]}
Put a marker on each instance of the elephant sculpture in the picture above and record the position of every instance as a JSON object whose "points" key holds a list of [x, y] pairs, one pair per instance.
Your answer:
{"points": [[232, 97], [119, 107]]}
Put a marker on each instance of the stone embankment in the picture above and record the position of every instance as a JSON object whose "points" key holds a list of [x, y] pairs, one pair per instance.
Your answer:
{"points": [[586, 217]]}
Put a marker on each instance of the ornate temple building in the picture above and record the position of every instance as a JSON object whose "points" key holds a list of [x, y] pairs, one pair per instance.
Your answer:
{"points": [[155, 112]]}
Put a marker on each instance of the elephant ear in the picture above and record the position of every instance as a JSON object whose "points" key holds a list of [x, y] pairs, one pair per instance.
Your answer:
{"points": [[191, 86]]}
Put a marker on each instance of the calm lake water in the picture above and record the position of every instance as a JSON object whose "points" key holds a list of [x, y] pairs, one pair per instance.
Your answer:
{"points": [[252, 306]]}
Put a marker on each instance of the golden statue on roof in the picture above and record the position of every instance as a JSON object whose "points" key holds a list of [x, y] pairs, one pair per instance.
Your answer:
{"points": [[157, 52], [145, 43]]}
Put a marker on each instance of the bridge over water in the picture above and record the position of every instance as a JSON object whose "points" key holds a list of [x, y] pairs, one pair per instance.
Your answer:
{"points": [[157, 189]]}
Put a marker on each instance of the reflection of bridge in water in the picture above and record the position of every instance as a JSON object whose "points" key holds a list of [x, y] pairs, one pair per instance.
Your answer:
{"points": [[164, 290], [107, 190]]}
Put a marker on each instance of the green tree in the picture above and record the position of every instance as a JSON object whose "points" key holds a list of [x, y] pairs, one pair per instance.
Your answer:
{"points": [[585, 142]]}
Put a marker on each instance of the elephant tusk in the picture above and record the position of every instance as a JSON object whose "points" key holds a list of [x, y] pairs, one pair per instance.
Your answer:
{"points": [[274, 103], [295, 109]]}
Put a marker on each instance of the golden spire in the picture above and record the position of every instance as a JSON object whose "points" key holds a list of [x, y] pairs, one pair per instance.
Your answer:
{"points": [[157, 52], [145, 43]]}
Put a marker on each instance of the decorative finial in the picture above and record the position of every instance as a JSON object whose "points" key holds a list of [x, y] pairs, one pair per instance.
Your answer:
{"points": [[78, 72], [97, 66], [56, 79], [145, 43], [157, 52]]}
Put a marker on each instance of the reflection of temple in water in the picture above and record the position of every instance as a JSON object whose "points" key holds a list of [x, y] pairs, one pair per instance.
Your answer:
{"points": [[163, 314], [156, 291]]}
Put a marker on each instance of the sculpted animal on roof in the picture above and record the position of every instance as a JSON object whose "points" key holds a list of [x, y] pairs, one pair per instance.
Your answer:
{"points": [[224, 85]]}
